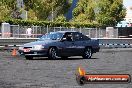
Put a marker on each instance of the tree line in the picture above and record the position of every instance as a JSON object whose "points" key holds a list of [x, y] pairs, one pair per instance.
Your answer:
{"points": [[102, 12]]}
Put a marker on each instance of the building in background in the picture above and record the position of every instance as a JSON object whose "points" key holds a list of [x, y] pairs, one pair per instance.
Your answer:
{"points": [[123, 24], [128, 17], [128, 5]]}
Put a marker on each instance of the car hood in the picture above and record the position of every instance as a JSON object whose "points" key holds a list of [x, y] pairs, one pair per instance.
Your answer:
{"points": [[38, 43]]}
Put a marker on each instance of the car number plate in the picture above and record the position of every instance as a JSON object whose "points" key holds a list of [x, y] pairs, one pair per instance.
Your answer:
{"points": [[26, 50]]}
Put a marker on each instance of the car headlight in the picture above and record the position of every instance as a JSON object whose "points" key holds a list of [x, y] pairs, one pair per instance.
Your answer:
{"points": [[37, 47], [20, 48]]}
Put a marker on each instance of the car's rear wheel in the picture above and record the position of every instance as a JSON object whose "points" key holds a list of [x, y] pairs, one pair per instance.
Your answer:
{"points": [[87, 53], [52, 53], [29, 57]]}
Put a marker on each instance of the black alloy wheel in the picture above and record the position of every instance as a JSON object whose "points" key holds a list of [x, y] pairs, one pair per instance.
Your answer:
{"points": [[87, 53], [53, 53]]}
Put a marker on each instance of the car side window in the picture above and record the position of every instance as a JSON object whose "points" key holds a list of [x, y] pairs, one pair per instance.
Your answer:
{"points": [[85, 37], [68, 36], [78, 36]]}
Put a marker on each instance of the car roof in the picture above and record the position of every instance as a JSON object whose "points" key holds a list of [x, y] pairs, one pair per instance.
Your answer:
{"points": [[62, 31]]}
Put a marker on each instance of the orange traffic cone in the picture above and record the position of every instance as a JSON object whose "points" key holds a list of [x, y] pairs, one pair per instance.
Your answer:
{"points": [[14, 52]]}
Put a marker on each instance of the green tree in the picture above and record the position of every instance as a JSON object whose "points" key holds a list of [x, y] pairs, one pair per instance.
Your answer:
{"points": [[31, 15], [37, 9], [10, 8], [84, 8], [43, 8], [60, 18], [6, 8], [80, 18], [9, 3], [4, 12], [110, 12], [105, 12], [90, 13]]}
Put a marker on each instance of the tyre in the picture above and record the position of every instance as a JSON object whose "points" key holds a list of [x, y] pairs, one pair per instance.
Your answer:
{"points": [[87, 53], [29, 57], [52, 53]]}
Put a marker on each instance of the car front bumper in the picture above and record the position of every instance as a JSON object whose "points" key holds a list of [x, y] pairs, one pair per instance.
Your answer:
{"points": [[34, 53]]}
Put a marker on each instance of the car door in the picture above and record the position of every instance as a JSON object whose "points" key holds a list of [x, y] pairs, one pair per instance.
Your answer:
{"points": [[79, 43], [68, 45]]}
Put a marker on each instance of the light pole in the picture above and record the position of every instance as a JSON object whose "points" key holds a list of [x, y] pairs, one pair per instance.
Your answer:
{"points": [[20, 5], [52, 12], [26, 14]]}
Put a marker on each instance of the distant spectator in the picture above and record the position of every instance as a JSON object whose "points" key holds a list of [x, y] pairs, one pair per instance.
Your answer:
{"points": [[29, 32]]}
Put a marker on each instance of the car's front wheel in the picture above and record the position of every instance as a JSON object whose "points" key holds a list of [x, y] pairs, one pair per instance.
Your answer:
{"points": [[87, 53], [29, 57], [52, 53]]}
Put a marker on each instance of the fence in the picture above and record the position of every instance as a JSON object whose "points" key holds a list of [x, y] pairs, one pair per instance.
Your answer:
{"points": [[103, 42], [17, 31]]}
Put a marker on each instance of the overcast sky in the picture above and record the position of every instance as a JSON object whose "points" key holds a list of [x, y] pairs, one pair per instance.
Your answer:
{"points": [[127, 4]]}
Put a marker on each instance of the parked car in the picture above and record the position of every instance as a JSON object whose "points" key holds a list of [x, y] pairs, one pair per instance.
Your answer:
{"points": [[123, 24], [61, 44]]}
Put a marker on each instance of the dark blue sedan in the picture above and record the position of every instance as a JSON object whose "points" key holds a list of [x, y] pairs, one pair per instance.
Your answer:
{"points": [[61, 44]]}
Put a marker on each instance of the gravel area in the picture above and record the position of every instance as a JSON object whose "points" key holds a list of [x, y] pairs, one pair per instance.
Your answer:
{"points": [[17, 72]]}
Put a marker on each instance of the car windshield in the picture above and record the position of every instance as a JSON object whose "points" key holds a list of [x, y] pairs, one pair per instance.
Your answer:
{"points": [[51, 36]]}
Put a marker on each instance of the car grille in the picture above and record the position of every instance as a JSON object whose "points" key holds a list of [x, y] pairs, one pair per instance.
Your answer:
{"points": [[27, 47]]}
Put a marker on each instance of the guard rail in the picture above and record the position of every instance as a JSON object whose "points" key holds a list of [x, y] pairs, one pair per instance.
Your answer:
{"points": [[103, 42]]}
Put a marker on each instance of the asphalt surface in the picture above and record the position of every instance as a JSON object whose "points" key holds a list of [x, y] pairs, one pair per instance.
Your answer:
{"points": [[17, 72]]}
